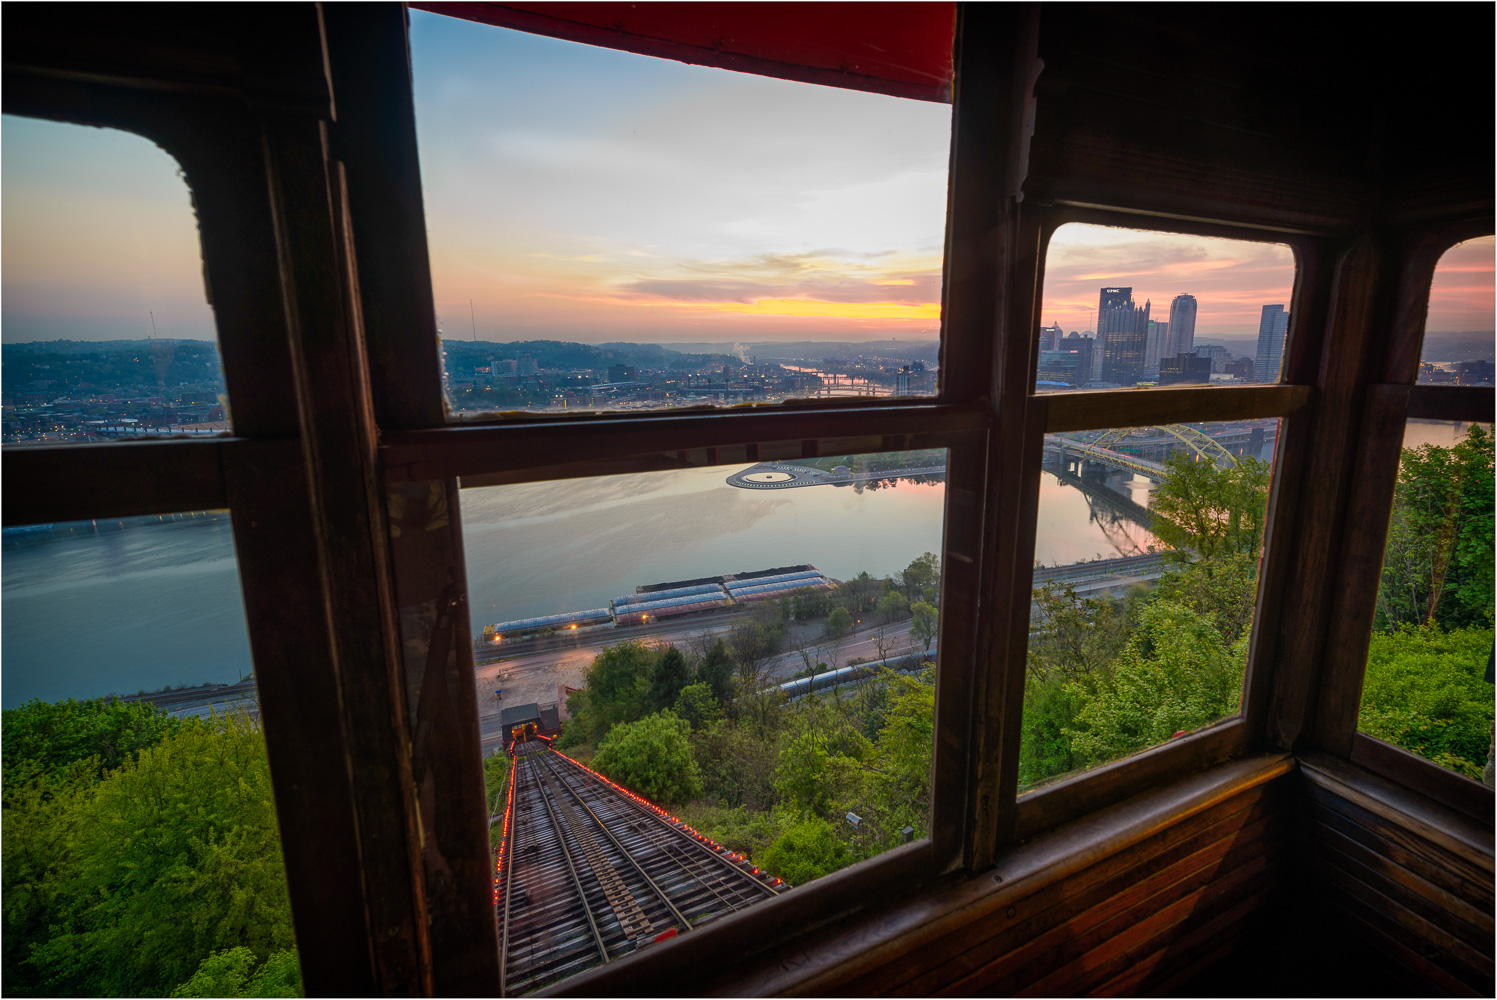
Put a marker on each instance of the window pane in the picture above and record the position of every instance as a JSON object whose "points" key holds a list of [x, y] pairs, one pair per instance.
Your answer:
{"points": [[107, 332], [1146, 569], [1458, 329], [141, 850], [744, 646], [611, 231], [1428, 686], [1221, 319]]}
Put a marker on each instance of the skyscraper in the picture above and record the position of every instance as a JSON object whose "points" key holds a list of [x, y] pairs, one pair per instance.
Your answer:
{"points": [[1111, 298], [1182, 336], [1050, 337], [1155, 342], [1271, 330], [1122, 330]]}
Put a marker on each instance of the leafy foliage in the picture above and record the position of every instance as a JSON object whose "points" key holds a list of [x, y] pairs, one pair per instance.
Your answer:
{"points": [[838, 623], [52, 736], [232, 973], [1438, 565], [652, 757], [696, 705], [1111, 676], [1175, 674], [1203, 510], [1426, 691], [121, 882], [923, 623]]}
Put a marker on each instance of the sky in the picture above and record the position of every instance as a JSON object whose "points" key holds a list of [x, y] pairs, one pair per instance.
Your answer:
{"points": [[586, 194], [1232, 280], [97, 233], [1462, 297], [578, 193]]}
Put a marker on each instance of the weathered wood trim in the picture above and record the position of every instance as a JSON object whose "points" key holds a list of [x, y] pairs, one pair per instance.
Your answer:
{"points": [[1077, 795], [997, 67], [1415, 877], [1354, 602], [320, 322], [1436, 823], [118, 479], [821, 962], [300, 693], [468, 451], [1102, 408], [368, 59], [1466, 403], [1296, 644], [1465, 795], [956, 678]]}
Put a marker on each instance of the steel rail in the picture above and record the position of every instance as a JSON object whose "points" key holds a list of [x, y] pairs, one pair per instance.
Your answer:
{"points": [[680, 834], [508, 849], [698, 857], [628, 856], [571, 866], [684, 862], [686, 856]]}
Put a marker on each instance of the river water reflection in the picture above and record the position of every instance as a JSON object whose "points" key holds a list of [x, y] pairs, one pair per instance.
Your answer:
{"points": [[157, 603]]}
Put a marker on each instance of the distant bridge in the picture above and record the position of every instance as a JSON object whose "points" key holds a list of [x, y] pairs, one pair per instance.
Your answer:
{"points": [[1070, 447]]}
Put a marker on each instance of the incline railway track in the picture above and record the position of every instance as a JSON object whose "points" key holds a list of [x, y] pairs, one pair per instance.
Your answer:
{"points": [[588, 872]]}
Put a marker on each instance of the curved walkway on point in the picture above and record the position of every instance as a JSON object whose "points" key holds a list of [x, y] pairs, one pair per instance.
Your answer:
{"points": [[778, 476]]}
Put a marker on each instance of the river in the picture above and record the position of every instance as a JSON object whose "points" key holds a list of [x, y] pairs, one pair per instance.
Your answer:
{"points": [[91, 610]]}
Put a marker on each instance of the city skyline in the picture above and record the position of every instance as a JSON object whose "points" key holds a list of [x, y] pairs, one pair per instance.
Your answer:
{"points": [[604, 204]]}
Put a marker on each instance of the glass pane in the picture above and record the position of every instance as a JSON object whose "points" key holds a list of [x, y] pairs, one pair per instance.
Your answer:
{"points": [[1428, 686], [142, 854], [749, 648], [1221, 319], [1458, 329], [1146, 573], [107, 331], [611, 231]]}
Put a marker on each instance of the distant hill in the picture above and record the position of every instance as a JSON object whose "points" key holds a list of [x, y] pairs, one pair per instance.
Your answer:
{"points": [[1469, 346], [906, 350], [565, 354], [97, 346]]}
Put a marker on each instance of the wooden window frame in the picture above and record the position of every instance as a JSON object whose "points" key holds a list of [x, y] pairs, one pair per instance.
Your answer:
{"points": [[1393, 398], [315, 252]]}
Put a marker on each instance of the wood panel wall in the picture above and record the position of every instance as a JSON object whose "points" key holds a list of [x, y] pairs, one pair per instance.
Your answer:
{"points": [[1137, 898], [1406, 883]]}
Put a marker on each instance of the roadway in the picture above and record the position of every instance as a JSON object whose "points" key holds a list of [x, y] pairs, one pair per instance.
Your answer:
{"points": [[536, 677]]}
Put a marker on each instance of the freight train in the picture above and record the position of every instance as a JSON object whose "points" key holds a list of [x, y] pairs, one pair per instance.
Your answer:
{"points": [[649, 604]]}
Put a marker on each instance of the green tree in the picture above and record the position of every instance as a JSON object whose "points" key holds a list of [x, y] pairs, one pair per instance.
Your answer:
{"points": [[616, 686], [54, 735], [1426, 691], [652, 757], [922, 573], [737, 765], [667, 677], [696, 705], [893, 606], [172, 857], [1206, 511], [1438, 564], [716, 671], [838, 623], [806, 850], [232, 973], [923, 623], [1176, 673]]}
